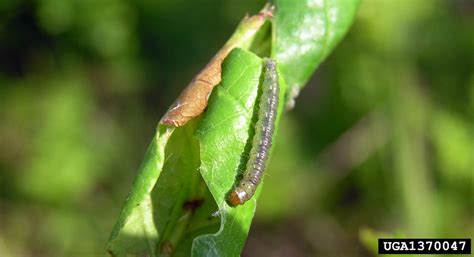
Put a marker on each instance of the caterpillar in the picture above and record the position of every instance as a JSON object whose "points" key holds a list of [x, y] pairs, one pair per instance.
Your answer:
{"points": [[262, 140]]}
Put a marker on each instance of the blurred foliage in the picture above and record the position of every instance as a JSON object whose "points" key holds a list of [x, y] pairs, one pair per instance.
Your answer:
{"points": [[168, 204], [381, 138]]}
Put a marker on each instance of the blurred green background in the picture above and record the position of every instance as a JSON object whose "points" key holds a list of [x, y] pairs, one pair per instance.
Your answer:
{"points": [[380, 142]]}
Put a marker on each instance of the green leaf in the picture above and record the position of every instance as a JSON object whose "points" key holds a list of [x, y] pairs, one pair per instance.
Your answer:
{"points": [[168, 201], [225, 137], [135, 231], [305, 32], [170, 208]]}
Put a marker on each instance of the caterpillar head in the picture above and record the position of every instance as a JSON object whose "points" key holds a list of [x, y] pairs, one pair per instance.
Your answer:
{"points": [[238, 197]]}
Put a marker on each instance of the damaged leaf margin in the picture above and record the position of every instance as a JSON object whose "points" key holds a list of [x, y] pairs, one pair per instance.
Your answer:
{"points": [[194, 98]]}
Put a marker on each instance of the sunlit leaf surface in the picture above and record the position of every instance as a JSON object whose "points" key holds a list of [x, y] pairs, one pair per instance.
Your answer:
{"points": [[305, 33]]}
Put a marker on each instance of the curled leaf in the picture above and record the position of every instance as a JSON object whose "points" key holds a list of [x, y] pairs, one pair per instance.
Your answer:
{"points": [[193, 100]]}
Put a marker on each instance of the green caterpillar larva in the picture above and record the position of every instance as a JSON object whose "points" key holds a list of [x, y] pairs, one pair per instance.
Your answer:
{"points": [[262, 140]]}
